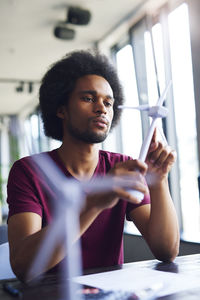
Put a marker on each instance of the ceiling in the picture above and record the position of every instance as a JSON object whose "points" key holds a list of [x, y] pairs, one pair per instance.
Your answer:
{"points": [[28, 45]]}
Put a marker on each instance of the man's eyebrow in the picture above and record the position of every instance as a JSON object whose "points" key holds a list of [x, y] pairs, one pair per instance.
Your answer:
{"points": [[93, 92]]}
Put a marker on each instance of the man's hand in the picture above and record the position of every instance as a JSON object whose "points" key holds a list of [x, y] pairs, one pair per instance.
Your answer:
{"points": [[130, 174], [160, 159]]}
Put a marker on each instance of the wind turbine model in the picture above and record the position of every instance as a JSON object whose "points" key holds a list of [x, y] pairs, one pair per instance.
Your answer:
{"points": [[69, 200], [155, 112]]}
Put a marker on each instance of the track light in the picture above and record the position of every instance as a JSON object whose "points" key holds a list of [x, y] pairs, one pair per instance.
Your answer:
{"points": [[24, 86], [30, 87], [20, 87]]}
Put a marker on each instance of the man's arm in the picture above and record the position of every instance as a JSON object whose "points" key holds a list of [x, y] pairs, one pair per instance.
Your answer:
{"points": [[25, 236], [158, 222]]}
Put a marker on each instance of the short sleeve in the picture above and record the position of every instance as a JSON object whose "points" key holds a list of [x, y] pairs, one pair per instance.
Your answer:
{"points": [[21, 190]]}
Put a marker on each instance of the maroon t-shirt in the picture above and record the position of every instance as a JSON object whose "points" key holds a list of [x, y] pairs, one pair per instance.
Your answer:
{"points": [[102, 243]]}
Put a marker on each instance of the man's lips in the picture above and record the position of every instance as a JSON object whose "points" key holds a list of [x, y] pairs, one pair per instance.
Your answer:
{"points": [[101, 122]]}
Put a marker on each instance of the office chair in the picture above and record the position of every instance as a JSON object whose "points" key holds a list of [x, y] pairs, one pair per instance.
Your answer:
{"points": [[5, 268]]}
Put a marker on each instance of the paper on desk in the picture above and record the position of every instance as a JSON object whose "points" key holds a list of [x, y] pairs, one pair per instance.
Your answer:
{"points": [[135, 278]]}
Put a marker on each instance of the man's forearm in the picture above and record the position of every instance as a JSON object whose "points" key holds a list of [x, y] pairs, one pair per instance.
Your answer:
{"points": [[163, 231], [24, 254], [26, 251]]}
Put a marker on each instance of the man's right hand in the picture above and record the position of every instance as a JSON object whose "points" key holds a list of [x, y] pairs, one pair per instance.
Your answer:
{"points": [[130, 172]]}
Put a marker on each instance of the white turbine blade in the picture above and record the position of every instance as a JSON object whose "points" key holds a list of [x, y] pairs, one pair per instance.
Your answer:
{"points": [[140, 107], [147, 140], [108, 183], [163, 96], [53, 236], [73, 262], [46, 166], [68, 193], [65, 225], [59, 183]]}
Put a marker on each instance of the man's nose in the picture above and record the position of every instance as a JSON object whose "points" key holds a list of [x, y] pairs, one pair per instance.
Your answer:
{"points": [[99, 106]]}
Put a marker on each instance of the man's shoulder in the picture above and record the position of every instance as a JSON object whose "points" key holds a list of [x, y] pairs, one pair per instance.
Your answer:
{"points": [[26, 162], [28, 158]]}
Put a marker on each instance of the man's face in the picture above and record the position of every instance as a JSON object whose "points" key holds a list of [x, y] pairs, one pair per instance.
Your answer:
{"points": [[89, 111]]}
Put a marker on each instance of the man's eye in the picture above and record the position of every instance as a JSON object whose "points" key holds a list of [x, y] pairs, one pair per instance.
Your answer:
{"points": [[88, 99], [108, 104]]}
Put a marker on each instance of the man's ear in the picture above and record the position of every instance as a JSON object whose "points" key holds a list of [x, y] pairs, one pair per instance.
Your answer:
{"points": [[61, 112]]}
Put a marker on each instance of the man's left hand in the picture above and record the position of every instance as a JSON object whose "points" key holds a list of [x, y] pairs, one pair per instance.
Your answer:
{"points": [[160, 159]]}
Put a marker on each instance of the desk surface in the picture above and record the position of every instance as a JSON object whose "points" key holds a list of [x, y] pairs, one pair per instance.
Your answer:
{"points": [[48, 287]]}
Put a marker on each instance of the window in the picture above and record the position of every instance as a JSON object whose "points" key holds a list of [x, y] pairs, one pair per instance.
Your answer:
{"points": [[184, 106], [158, 53]]}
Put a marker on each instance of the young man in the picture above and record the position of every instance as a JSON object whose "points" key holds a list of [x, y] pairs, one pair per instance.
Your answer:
{"points": [[79, 96]]}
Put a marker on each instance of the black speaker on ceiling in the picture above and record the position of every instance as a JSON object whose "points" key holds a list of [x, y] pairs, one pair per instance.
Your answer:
{"points": [[75, 16], [78, 16], [61, 31]]}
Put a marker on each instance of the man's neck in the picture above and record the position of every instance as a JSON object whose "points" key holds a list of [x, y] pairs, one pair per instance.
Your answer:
{"points": [[80, 159]]}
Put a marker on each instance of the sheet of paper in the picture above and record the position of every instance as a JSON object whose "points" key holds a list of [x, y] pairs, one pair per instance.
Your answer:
{"points": [[135, 279]]}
